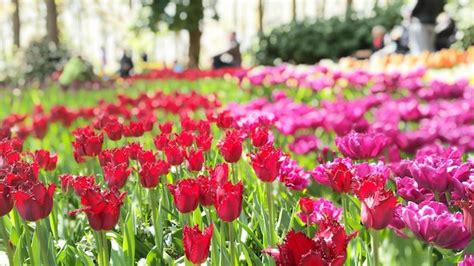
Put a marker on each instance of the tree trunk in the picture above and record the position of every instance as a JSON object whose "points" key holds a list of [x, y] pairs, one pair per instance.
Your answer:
{"points": [[348, 8], [16, 23], [260, 16], [52, 21], [321, 8], [293, 10], [194, 48]]}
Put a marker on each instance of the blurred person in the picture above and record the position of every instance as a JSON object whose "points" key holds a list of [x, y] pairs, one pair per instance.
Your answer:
{"points": [[177, 67], [230, 58], [445, 31], [378, 38], [422, 25], [399, 36], [126, 65], [144, 57], [76, 70]]}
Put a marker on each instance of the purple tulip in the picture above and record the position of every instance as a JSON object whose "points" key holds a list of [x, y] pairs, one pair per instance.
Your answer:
{"points": [[315, 211], [409, 190], [467, 261], [432, 222], [359, 146]]}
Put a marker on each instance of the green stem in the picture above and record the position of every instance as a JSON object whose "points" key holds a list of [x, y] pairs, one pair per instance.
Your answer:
{"points": [[29, 241], [271, 222], [430, 255], [222, 244], [213, 239], [43, 240], [154, 216], [6, 238], [104, 249], [436, 195], [345, 206], [234, 172], [374, 238], [231, 243]]}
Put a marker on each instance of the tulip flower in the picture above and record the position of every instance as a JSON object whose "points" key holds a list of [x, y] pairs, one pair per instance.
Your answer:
{"points": [[45, 160], [114, 130], [33, 200], [185, 138], [102, 208], [229, 201], [116, 175], [161, 141], [432, 173], [434, 223], [220, 174], [315, 211], [409, 190], [40, 126], [204, 128], [6, 199], [204, 142], [195, 160], [292, 175], [378, 204], [134, 129], [207, 191], [335, 175], [185, 194], [224, 120], [87, 143], [196, 243], [166, 127], [266, 163], [230, 146], [78, 183], [151, 172], [467, 261], [359, 146], [174, 154], [328, 247], [259, 136]]}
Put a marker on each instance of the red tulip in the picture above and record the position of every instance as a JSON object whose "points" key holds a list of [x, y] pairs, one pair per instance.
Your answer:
{"points": [[45, 160], [166, 127], [33, 200], [174, 154], [102, 208], [196, 243], [266, 163], [185, 194], [185, 138], [378, 204], [204, 128], [40, 126], [328, 247], [146, 157], [134, 129], [220, 174], [6, 200], [87, 143], [134, 150], [224, 120], [229, 201], [116, 175], [204, 142], [207, 191], [230, 146], [195, 160], [114, 130], [259, 136], [115, 156], [78, 183], [161, 141], [340, 178], [151, 172]]}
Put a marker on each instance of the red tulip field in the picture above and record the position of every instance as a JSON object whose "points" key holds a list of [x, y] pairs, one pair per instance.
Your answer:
{"points": [[284, 165]]}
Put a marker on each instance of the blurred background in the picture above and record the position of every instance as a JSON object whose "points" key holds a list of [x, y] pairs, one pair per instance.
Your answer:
{"points": [[188, 33]]}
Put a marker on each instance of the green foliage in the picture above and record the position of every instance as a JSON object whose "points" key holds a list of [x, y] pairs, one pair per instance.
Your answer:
{"points": [[176, 14], [462, 12], [310, 41], [42, 58]]}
